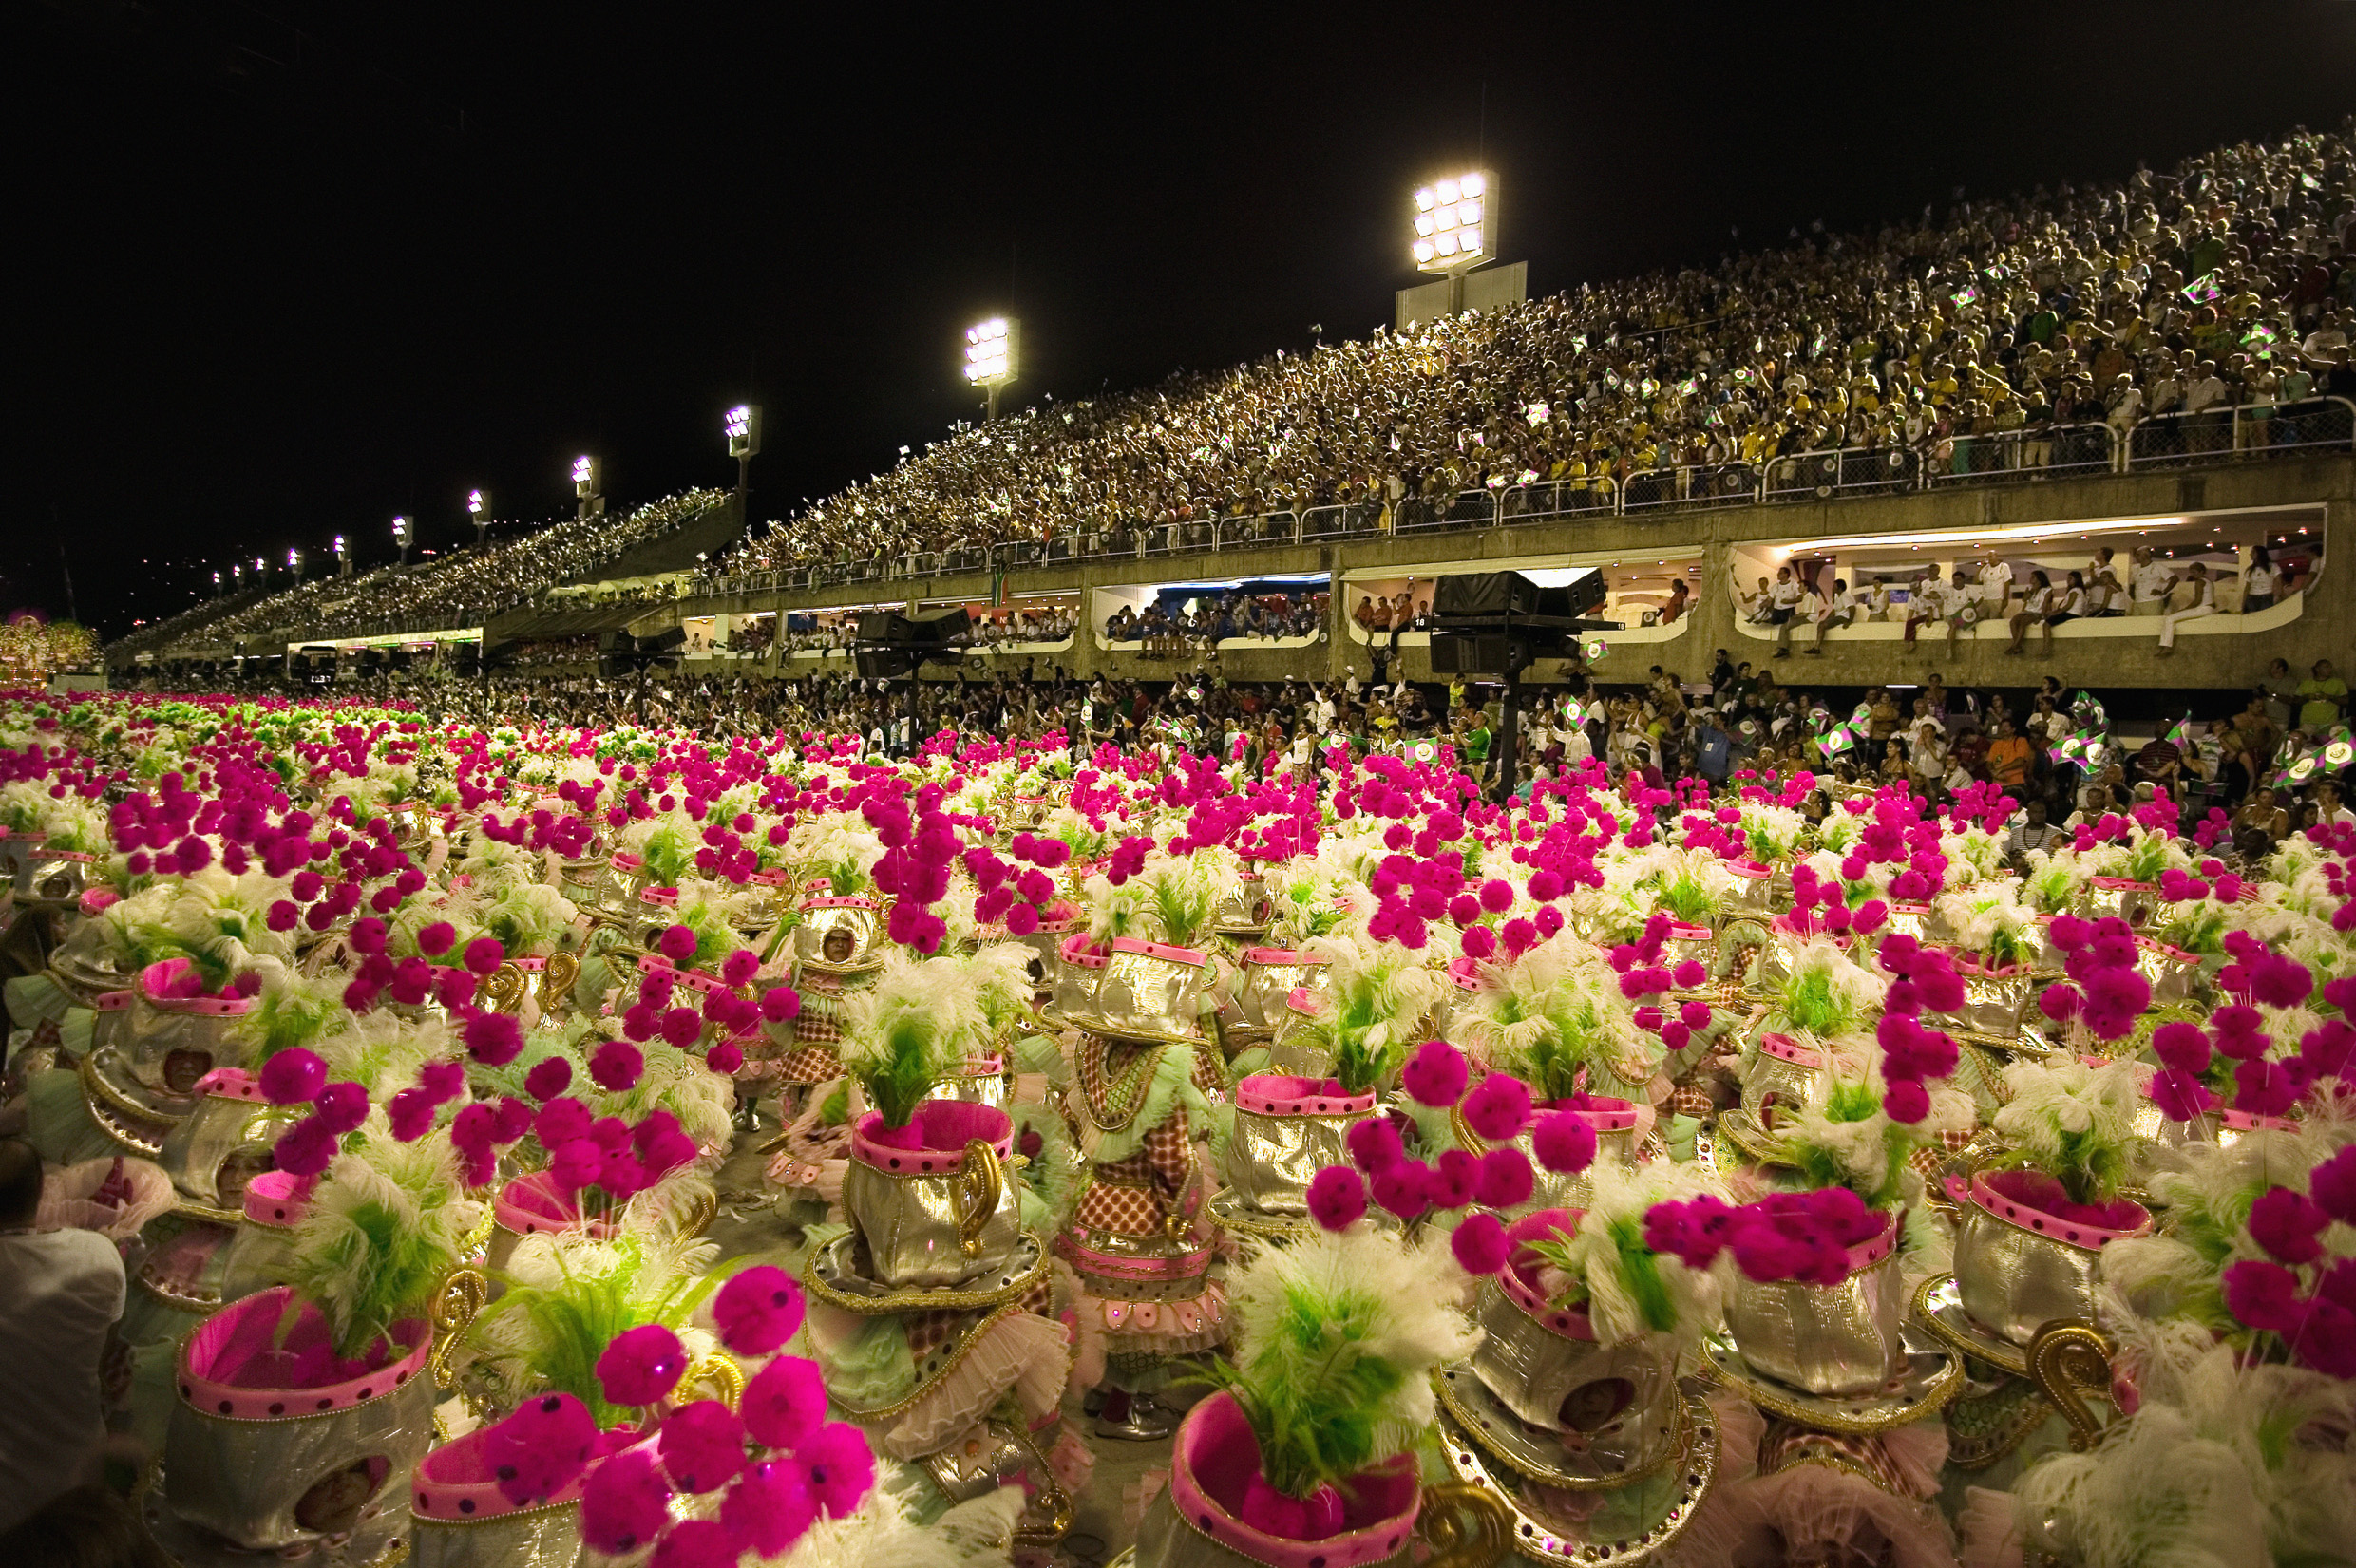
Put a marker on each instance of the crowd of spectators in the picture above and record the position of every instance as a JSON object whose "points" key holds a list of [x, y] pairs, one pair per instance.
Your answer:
{"points": [[2027, 600], [1206, 621], [1977, 340], [466, 586]]}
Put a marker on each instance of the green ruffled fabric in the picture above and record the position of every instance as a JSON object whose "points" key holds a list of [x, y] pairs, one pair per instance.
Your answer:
{"points": [[873, 1369], [1249, 1063], [77, 1033], [1679, 1136], [36, 999], [594, 984], [1037, 1053], [1172, 1089], [58, 1123]]}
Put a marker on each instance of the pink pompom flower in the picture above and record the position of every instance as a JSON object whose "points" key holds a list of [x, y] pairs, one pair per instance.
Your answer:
{"points": [[757, 1310], [641, 1365]]}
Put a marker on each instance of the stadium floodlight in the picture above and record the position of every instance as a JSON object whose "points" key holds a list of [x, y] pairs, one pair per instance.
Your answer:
{"points": [[343, 556], [404, 535], [993, 357], [294, 563], [743, 425], [588, 485], [1456, 224], [478, 509]]}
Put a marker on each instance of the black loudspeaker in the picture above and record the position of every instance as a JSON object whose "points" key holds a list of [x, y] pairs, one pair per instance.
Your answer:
{"points": [[616, 653], [466, 659], [1485, 594], [1478, 653], [889, 664], [664, 641], [934, 630]]}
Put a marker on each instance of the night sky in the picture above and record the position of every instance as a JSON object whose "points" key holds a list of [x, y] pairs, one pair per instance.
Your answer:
{"points": [[286, 270]]}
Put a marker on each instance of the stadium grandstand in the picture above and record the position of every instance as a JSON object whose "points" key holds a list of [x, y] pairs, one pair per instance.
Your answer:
{"points": [[2083, 418]]}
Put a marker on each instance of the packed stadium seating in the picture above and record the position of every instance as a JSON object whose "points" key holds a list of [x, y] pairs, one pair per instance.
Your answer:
{"points": [[2076, 330]]}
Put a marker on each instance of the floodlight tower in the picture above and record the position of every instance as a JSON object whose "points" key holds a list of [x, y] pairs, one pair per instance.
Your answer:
{"points": [[589, 485], [294, 563], [343, 558], [1455, 222], [404, 535], [743, 425], [992, 358], [478, 509]]}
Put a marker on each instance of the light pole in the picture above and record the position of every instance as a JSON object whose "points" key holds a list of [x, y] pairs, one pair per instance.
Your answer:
{"points": [[294, 563], [589, 485], [343, 558], [992, 358], [477, 508], [404, 536], [1455, 229], [744, 442]]}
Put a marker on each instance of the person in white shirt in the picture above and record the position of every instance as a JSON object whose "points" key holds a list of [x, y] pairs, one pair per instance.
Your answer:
{"points": [[1935, 601], [1840, 609], [2259, 584], [2148, 579], [2328, 811], [2033, 606], [1783, 607], [60, 1292], [2204, 603], [1995, 586], [2104, 597]]}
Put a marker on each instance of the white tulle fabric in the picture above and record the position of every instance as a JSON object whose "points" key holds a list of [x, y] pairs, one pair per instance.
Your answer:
{"points": [[1022, 1351], [66, 1203]]}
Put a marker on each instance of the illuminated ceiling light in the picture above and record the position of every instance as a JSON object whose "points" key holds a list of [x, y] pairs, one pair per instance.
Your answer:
{"points": [[1425, 198], [1424, 252], [1471, 240], [1449, 190], [1448, 245], [1424, 224], [475, 503], [1445, 219], [1472, 185]]}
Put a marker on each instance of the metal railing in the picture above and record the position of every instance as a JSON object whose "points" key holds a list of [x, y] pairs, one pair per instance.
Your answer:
{"points": [[2247, 433], [2244, 433]]}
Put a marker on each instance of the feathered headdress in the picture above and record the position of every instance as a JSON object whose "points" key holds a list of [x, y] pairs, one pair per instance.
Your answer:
{"points": [[2213, 1470], [1378, 995], [2073, 1121], [568, 1297], [916, 1025], [387, 1224], [1555, 1019], [1337, 1335], [1628, 1291]]}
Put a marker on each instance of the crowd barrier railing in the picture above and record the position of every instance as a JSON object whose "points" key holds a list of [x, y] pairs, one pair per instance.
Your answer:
{"points": [[2243, 433]]}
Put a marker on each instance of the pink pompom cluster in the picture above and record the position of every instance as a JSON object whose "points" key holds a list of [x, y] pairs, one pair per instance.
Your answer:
{"points": [[1496, 1109], [1797, 1236], [776, 1464], [667, 1009], [2232, 1060], [593, 1158], [1019, 888], [1925, 981], [1642, 974], [1820, 906], [2299, 1291], [2103, 992]]}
